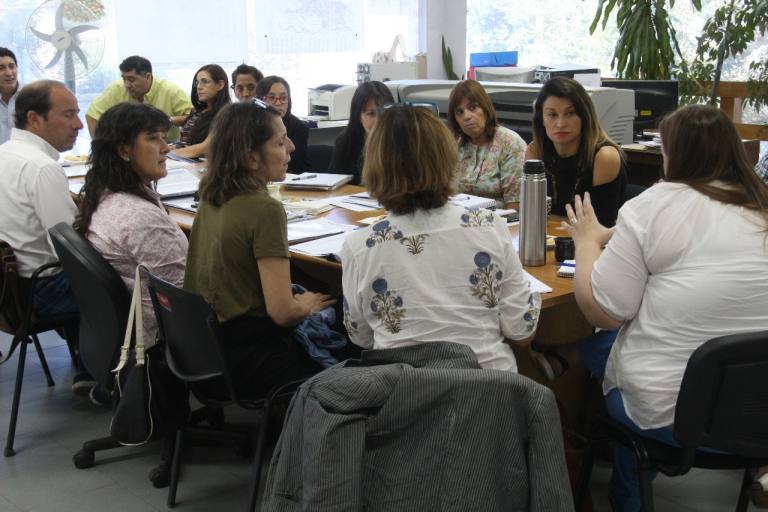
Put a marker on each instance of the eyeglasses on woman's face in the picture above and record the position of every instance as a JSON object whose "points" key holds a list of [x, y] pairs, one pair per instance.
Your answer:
{"points": [[205, 82], [276, 99]]}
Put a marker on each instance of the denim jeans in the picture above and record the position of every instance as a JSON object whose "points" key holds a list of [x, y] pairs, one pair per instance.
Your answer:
{"points": [[53, 296], [624, 491]]}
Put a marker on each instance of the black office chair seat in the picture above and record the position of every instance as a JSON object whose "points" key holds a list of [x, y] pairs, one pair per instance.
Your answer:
{"points": [[189, 327], [722, 406], [19, 320]]}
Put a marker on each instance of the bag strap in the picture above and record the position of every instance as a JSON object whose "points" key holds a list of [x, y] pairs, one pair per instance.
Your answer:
{"points": [[135, 318]]}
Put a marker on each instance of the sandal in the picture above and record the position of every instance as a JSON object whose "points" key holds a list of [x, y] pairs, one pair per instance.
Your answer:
{"points": [[551, 364]]}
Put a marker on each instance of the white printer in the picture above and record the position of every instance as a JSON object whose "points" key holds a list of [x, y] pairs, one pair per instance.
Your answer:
{"points": [[514, 103], [330, 102]]}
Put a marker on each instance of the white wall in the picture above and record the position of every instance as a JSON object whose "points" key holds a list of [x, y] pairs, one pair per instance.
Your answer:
{"points": [[444, 18]]}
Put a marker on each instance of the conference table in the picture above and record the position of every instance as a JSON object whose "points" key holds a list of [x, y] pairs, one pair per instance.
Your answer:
{"points": [[560, 323]]}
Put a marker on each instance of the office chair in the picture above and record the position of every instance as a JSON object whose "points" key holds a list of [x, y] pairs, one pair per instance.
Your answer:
{"points": [[104, 303], [190, 330], [319, 158], [18, 320], [722, 405]]}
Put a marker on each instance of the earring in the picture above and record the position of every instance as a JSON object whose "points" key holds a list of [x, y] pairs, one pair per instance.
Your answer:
{"points": [[126, 159]]}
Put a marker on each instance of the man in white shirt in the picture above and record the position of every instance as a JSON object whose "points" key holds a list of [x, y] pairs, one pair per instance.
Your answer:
{"points": [[34, 192], [9, 89]]}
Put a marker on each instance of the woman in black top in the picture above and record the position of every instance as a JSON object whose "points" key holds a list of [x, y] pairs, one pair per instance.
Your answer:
{"points": [[578, 155], [277, 93], [363, 113], [210, 93]]}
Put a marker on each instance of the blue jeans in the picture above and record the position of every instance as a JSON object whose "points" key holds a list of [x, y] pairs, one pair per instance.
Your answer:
{"points": [[53, 296], [624, 491]]}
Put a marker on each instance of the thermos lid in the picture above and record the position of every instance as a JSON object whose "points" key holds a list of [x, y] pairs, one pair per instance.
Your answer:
{"points": [[533, 167]]}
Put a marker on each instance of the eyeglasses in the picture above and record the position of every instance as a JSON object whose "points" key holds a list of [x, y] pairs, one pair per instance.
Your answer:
{"points": [[203, 81], [277, 100], [241, 87], [429, 105]]}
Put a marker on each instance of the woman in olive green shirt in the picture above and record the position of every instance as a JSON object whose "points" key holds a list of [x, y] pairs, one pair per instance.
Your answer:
{"points": [[238, 250]]}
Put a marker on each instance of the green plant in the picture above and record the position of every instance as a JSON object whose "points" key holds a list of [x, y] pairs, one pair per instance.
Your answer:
{"points": [[448, 63], [647, 43], [647, 47]]}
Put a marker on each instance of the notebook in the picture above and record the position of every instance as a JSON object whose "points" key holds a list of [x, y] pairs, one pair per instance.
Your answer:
{"points": [[317, 181], [567, 268], [470, 201], [178, 182], [316, 228]]}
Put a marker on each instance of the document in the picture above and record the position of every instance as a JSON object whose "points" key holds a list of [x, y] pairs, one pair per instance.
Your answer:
{"points": [[315, 228], [178, 182], [536, 285], [470, 201], [330, 246], [317, 181]]}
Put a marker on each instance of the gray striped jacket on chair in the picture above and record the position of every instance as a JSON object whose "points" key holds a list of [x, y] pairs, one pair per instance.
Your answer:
{"points": [[419, 428]]}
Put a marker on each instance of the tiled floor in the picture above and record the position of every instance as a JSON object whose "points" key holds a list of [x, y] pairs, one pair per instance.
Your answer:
{"points": [[53, 423]]}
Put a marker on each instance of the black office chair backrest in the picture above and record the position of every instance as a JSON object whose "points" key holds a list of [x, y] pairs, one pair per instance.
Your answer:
{"points": [[723, 400], [103, 299], [188, 326], [319, 157]]}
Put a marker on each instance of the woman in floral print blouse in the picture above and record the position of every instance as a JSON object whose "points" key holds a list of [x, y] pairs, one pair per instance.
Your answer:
{"points": [[431, 271], [490, 156]]}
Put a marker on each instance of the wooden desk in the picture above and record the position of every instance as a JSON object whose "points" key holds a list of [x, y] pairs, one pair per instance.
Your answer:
{"points": [[646, 167]]}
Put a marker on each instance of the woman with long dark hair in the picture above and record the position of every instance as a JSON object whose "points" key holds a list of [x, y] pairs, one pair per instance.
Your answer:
{"points": [[210, 92], [276, 92], [577, 153], [348, 152], [686, 262], [238, 249], [119, 213]]}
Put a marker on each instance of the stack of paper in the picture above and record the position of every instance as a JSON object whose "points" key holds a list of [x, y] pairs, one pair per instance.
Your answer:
{"points": [[315, 228], [178, 182], [330, 246], [317, 181]]}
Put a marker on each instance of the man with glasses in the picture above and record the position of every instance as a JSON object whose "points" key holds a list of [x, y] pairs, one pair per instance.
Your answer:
{"points": [[138, 84], [244, 80], [9, 89]]}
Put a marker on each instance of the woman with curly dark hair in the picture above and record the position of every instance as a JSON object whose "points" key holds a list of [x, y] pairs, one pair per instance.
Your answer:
{"points": [[119, 213]]}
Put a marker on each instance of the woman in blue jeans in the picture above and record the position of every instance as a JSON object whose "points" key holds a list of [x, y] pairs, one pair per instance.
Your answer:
{"points": [[671, 275]]}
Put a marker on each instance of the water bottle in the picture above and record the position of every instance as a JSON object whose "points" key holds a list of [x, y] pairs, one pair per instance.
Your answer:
{"points": [[533, 214]]}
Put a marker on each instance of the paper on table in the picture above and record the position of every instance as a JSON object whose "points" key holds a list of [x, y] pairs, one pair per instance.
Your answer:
{"points": [[356, 204], [75, 171], [178, 182], [315, 228], [76, 184], [327, 246], [536, 285]]}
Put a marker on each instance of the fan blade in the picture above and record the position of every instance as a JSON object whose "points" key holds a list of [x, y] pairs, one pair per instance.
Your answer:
{"points": [[40, 35], [60, 17], [80, 29], [55, 59], [77, 51]]}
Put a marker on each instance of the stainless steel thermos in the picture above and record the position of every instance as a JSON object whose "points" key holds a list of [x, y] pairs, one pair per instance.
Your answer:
{"points": [[533, 214]]}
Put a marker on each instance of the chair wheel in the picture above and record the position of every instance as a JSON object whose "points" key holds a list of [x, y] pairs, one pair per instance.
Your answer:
{"points": [[160, 476], [9, 452], [84, 459]]}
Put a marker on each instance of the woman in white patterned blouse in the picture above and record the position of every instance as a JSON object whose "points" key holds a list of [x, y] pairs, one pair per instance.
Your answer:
{"points": [[431, 271]]}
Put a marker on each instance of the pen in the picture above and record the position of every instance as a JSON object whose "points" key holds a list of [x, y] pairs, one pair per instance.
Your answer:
{"points": [[307, 177]]}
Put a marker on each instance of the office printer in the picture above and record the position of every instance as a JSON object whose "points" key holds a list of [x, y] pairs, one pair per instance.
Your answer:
{"points": [[514, 103], [330, 102]]}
